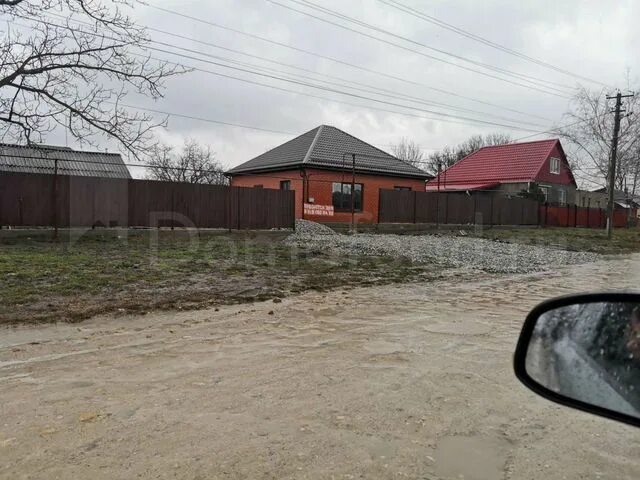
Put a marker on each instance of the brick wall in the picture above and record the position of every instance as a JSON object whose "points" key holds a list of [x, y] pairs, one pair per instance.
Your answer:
{"points": [[320, 188]]}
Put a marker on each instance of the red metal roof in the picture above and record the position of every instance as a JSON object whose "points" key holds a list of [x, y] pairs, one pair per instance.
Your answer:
{"points": [[517, 162]]}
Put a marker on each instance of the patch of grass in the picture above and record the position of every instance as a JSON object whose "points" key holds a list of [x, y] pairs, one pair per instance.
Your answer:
{"points": [[577, 239], [105, 271]]}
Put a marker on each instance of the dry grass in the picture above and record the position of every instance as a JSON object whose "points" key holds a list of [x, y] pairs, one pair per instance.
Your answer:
{"points": [[578, 239], [42, 280]]}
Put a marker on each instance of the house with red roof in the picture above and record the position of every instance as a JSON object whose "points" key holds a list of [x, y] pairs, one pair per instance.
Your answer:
{"points": [[509, 169]]}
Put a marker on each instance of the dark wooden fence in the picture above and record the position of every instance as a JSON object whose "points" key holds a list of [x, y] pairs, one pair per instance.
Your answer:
{"points": [[485, 208], [68, 201], [456, 208]]}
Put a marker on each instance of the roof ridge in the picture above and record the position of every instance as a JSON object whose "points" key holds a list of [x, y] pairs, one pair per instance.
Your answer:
{"points": [[57, 148], [512, 144], [375, 148], [360, 140], [313, 144]]}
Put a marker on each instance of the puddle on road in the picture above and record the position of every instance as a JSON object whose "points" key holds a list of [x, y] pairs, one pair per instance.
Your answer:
{"points": [[470, 458]]}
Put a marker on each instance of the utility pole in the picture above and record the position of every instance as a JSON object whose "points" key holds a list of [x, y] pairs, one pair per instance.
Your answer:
{"points": [[612, 161], [353, 193]]}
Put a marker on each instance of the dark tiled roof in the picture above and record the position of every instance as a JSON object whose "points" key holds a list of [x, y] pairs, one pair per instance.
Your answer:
{"points": [[324, 147], [41, 159]]}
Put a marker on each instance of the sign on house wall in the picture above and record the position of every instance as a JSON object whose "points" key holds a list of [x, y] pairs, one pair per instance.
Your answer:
{"points": [[318, 210]]}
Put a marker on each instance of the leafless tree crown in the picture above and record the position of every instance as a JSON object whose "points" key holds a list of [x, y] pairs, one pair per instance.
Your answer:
{"points": [[69, 64], [449, 156], [409, 151], [194, 164], [588, 134]]}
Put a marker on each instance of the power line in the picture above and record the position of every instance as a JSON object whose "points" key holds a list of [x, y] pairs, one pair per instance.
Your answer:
{"points": [[531, 87], [338, 61], [292, 79], [447, 117], [539, 81], [386, 92], [465, 120], [435, 21]]}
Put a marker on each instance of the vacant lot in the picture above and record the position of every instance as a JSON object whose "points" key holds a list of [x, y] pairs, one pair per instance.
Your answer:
{"points": [[409, 381], [88, 273], [111, 271]]}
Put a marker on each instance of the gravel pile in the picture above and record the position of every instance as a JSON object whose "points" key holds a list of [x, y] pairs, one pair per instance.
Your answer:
{"points": [[450, 251], [305, 228]]}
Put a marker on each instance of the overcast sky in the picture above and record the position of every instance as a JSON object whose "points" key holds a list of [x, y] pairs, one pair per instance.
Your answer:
{"points": [[588, 38]]}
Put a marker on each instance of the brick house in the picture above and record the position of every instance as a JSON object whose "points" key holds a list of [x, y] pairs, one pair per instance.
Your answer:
{"points": [[509, 169], [319, 166]]}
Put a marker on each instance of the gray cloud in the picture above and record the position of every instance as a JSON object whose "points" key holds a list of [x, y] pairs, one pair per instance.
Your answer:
{"points": [[579, 36]]}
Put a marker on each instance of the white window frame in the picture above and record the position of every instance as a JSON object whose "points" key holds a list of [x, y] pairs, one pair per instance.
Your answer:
{"points": [[562, 196], [554, 165], [545, 189]]}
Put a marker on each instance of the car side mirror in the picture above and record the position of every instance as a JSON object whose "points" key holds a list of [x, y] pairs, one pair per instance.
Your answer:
{"points": [[583, 351]]}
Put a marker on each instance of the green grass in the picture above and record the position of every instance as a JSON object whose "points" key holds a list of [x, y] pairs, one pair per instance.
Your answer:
{"points": [[579, 239], [99, 272]]}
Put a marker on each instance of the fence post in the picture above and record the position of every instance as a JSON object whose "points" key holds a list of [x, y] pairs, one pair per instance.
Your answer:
{"points": [[228, 199], [415, 196], [446, 210], [172, 207], [475, 207], [238, 207], [55, 199], [491, 209]]}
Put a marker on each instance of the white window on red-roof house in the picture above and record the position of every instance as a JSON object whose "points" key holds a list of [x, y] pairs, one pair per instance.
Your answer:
{"points": [[554, 165]]}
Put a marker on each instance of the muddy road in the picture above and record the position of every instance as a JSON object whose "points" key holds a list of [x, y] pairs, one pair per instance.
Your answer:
{"points": [[405, 381]]}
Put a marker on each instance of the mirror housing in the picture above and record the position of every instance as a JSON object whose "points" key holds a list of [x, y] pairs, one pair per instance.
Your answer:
{"points": [[583, 351]]}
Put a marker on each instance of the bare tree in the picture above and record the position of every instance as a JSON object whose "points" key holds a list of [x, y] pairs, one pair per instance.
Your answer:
{"points": [[194, 164], [449, 156], [69, 64], [588, 134], [409, 151]]}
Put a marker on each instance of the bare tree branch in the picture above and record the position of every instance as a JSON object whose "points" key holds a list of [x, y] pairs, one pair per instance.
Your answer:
{"points": [[60, 75], [449, 156], [589, 134], [194, 164], [408, 151]]}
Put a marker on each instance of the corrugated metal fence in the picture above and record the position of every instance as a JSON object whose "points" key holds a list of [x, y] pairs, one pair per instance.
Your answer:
{"points": [[71, 201], [486, 208], [456, 208]]}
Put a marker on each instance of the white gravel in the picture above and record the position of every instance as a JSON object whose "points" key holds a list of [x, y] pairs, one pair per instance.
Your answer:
{"points": [[446, 250], [305, 227]]}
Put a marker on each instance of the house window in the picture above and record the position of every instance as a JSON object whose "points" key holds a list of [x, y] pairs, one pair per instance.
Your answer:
{"points": [[545, 191], [554, 165], [402, 189], [285, 185], [342, 197], [562, 196]]}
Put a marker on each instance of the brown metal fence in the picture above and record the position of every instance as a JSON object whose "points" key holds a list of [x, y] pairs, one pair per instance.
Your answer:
{"points": [[69, 201], [456, 208]]}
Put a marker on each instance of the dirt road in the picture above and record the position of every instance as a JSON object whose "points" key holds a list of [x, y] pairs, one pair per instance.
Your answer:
{"points": [[409, 381]]}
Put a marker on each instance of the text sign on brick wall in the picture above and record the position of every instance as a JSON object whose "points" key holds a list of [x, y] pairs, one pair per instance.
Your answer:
{"points": [[318, 210]]}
